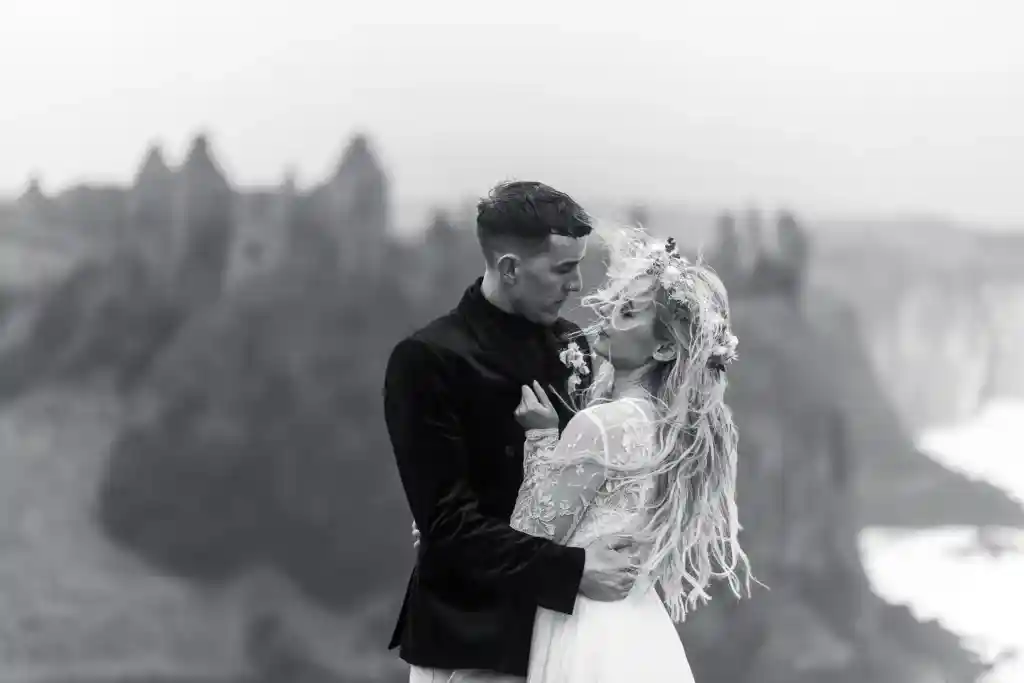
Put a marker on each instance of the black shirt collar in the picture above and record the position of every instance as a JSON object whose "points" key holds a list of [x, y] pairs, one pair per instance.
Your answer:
{"points": [[477, 308]]}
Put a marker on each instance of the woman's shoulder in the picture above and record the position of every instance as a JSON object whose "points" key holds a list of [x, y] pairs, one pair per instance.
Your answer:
{"points": [[620, 408], [616, 416]]}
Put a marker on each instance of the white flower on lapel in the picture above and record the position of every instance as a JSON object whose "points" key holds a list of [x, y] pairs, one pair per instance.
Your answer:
{"points": [[574, 359]]}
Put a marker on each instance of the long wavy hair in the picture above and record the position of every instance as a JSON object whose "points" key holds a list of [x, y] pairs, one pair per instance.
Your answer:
{"points": [[693, 526]]}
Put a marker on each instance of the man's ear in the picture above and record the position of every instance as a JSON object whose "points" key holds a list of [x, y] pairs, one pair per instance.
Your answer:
{"points": [[508, 268], [665, 352]]}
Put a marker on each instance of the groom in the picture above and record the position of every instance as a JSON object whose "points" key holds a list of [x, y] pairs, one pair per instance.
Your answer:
{"points": [[450, 393]]}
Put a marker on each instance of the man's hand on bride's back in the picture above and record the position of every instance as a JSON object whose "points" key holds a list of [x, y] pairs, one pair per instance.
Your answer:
{"points": [[609, 571]]}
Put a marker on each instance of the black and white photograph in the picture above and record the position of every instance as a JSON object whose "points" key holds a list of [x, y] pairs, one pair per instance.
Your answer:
{"points": [[530, 342]]}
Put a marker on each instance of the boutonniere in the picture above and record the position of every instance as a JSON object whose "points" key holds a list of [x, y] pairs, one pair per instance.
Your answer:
{"points": [[575, 360]]}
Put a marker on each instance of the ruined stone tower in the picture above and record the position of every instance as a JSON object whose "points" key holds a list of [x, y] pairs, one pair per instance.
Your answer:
{"points": [[353, 208], [205, 219], [149, 233]]}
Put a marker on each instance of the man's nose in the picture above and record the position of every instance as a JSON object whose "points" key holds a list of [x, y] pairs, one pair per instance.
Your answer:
{"points": [[575, 282]]}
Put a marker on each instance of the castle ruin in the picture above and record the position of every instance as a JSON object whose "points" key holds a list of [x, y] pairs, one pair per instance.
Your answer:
{"points": [[201, 234]]}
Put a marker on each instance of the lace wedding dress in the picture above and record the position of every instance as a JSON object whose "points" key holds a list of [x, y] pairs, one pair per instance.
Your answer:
{"points": [[601, 642]]}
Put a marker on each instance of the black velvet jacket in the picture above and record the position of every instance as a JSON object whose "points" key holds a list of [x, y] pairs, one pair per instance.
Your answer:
{"points": [[449, 395]]}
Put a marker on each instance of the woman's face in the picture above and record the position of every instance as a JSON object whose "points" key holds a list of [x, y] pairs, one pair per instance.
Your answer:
{"points": [[626, 333]]}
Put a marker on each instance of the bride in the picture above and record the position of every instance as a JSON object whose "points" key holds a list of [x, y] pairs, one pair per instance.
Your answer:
{"points": [[652, 457]]}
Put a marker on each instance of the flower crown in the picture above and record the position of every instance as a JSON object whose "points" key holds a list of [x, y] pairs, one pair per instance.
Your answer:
{"points": [[674, 274], [670, 269]]}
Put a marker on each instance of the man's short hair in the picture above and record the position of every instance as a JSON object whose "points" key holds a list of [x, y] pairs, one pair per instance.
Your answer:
{"points": [[525, 214]]}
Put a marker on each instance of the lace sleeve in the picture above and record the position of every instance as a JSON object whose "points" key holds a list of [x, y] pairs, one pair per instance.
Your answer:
{"points": [[561, 477]]}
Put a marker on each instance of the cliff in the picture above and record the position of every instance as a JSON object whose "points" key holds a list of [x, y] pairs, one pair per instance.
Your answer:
{"points": [[897, 485], [942, 315]]}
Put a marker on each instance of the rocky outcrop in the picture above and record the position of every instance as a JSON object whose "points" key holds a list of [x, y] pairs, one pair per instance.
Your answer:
{"points": [[940, 310], [755, 259]]}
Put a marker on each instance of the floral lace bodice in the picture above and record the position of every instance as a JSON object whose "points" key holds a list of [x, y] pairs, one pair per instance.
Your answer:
{"points": [[577, 503]]}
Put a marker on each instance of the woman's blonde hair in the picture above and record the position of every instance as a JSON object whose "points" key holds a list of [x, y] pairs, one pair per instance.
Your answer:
{"points": [[694, 526]]}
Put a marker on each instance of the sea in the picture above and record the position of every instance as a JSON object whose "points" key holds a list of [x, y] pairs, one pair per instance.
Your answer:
{"points": [[971, 583]]}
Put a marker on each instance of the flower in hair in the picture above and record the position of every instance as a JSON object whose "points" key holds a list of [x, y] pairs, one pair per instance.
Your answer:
{"points": [[670, 267], [724, 354]]}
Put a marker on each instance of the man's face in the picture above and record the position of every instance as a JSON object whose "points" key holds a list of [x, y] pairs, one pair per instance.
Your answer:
{"points": [[545, 280]]}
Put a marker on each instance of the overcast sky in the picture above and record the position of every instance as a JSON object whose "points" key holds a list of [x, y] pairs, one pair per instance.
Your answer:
{"points": [[867, 106]]}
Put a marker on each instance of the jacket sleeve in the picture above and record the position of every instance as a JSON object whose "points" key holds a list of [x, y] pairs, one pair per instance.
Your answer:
{"points": [[431, 453]]}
